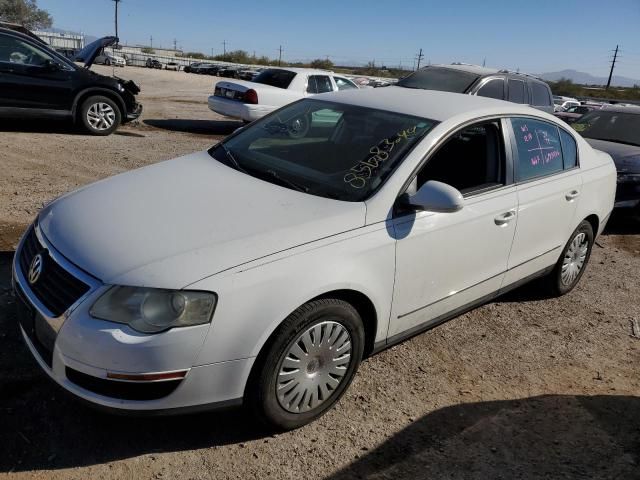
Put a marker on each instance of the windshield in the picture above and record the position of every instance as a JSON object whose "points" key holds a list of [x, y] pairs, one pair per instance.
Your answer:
{"points": [[275, 78], [333, 150], [617, 127], [438, 78]]}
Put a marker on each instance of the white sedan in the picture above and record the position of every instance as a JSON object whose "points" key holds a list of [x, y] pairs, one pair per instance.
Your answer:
{"points": [[261, 271], [271, 89]]}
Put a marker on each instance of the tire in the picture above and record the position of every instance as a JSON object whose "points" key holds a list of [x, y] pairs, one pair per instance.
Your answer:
{"points": [[285, 397], [99, 115], [564, 276], [107, 62]]}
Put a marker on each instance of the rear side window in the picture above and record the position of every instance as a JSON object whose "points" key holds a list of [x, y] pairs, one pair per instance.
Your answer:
{"points": [[517, 91], [492, 89], [540, 94], [319, 84], [275, 77], [569, 150], [539, 148], [344, 84]]}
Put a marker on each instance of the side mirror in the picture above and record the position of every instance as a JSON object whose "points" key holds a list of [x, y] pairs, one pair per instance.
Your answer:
{"points": [[51, 66], [434, 196]]}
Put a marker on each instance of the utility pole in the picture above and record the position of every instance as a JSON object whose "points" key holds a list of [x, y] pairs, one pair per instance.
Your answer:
{"points": [[484, 61], [116, 14], [224, 49], [279, 55], [420, 57], [211, 52], [175, 44], [151, 41], [613, 64]]}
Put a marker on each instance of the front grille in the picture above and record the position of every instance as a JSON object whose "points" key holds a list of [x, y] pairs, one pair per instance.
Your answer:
{"points": [[56, 288], [122, 390]]}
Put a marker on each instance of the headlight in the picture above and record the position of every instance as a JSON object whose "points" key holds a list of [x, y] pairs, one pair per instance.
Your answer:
{"points": [[629, 178], [152, 310]]}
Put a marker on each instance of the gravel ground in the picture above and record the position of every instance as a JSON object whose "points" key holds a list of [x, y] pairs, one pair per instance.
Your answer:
{"points": [[524, 387]]}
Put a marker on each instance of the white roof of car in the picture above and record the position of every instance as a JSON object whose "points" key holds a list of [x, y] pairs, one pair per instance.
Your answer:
{"points": [[431, 104], [308, 71], [478, 70]]}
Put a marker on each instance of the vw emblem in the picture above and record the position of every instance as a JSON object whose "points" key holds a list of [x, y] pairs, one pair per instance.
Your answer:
{"points": [[35, 269]]}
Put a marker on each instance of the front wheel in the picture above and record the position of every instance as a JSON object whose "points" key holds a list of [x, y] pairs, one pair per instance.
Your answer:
{"points": [[307, 365], [573, 261], [99, 115]]}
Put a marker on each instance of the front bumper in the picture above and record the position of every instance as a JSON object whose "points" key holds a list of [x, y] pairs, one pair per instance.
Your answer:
{"points": [[79, 352], [236, 109], [135, 112]]}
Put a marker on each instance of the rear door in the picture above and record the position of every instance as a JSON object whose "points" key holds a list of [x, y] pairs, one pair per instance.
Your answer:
{"points": [[517, 91], [548, 187], [26, 81]]}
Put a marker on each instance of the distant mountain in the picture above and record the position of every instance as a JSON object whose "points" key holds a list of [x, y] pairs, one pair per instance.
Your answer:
{"points": [[588, 79]]}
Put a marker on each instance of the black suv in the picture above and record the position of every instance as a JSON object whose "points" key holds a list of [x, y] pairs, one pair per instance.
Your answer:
{"points": [[484, 82], [36, 81]]}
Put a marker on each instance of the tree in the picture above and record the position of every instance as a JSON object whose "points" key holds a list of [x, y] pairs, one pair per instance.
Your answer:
{"points": [[25, 13], [323, 64], [148, 50]]}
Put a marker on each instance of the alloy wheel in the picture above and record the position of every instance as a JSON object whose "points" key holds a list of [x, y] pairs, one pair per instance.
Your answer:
{"points": [[101, 116]]}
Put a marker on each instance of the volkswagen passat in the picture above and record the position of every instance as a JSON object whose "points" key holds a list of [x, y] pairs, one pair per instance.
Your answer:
{"points": [[263, 270]]}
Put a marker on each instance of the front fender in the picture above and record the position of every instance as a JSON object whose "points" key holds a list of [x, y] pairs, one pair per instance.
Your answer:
{"points": [[255, 298]]}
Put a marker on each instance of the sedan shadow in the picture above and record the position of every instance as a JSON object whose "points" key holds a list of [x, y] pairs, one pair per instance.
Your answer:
{"points": [[555, 436], [200, 127]]}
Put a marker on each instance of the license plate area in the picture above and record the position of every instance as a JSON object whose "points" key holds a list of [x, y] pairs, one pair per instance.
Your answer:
{"points": [[41, 334]]}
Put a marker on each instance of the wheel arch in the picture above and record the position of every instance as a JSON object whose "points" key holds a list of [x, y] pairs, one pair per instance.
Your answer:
{"points": [[595, 223], [88, 92]]}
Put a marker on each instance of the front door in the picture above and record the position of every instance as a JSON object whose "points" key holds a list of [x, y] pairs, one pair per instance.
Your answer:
{"points": [[446, 261], [27, 82]]}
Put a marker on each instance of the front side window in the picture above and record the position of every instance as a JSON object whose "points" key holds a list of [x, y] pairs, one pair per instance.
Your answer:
{"points": [[319, 84], [472, 160], [14, 50], [539, 148], [540, 94], [328, 149], [517, 91], [492, 89], [344, 84]]}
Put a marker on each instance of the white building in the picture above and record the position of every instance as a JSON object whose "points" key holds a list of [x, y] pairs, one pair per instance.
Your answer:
{"points": [[62, 40]]}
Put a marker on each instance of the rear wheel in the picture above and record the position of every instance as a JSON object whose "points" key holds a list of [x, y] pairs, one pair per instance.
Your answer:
{"points": [[573, 261], [99, 115], [307, 365], [107, 62]]}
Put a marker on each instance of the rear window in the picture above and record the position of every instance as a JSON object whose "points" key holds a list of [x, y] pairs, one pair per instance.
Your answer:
{"points": [[540, 94], [275, 78], [439, 78]]}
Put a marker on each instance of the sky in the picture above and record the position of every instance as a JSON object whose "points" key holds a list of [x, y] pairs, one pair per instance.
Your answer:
{"points": [[534, 36]]}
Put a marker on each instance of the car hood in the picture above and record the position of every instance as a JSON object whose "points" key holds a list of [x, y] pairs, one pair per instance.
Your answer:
{"points": [[89, 53], [176, 222], [626, 157]]}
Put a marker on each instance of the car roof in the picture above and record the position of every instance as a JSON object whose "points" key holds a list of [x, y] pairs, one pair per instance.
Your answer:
{"points": [[432, 104], [314, 71], [634, 109], [465, 67]]}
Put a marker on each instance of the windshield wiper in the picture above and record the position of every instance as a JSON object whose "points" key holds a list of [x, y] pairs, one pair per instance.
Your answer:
{"points": [[232, 159], [286, 182]]}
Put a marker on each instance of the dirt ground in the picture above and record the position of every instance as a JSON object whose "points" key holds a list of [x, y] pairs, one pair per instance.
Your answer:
{"points": [[525, 387]]}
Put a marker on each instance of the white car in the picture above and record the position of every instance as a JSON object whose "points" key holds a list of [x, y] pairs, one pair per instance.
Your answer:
{"points": [[271, 89], [263, 270], [561, 104], [108, 58]]}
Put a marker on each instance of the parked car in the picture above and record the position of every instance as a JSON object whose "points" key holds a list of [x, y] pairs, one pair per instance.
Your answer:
{"points": [[172, 66], [248, 74], [153, 63], [572, 114], [189, 68], [616, 130], [228, 71], [36, 81], [271, 89], [560, 104], [483, 82], [108, 58], [263, 270]]}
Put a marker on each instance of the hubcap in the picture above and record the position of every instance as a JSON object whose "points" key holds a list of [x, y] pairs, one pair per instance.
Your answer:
{"points": [[101, 116], [313, 367], [574, 259]]}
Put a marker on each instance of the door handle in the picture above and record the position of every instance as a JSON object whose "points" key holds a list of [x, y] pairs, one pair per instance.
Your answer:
{"points": [[572, 195], [504, 218]]}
